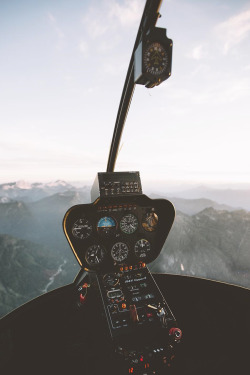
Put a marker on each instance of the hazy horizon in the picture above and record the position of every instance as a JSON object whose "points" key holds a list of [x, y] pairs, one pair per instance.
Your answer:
{"points": [[156, 185]]}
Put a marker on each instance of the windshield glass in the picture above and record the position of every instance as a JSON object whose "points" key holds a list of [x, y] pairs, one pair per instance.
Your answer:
{"points": [[63, 67]]}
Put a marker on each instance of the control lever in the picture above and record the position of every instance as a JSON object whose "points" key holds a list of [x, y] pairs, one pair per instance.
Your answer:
{"points": [[82, 290], [161, 313], [133, 314]]}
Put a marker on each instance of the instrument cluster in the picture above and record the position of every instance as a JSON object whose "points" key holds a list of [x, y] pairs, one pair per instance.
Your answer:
{"points": [[108, 233]]}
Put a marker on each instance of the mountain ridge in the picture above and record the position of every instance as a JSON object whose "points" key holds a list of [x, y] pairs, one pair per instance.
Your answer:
{"points": [[205, 241], [193, 206]]}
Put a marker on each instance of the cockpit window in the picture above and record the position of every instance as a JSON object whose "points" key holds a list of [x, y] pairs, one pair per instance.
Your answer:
{"points": [[63, 66]]}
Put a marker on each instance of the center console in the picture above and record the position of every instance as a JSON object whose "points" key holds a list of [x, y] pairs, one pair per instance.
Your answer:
{"points": [[141, 324]]}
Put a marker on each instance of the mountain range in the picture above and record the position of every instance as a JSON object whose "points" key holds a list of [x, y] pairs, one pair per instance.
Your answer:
{"points": [[31, 192], [209, 239], [210, 244], [193, 206], [237, 198], [26, 268]]}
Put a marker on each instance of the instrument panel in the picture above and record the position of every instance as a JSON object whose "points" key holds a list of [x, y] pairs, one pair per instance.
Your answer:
{"points": [[118, 231]]}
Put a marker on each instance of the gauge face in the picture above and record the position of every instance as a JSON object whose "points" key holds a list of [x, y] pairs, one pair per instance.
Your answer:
{"points": [[82, 229], [111, 279], [106, 225], [119, 251], [95, 254], [129, 224], [155, 59], [142, 248], [150, 221]]}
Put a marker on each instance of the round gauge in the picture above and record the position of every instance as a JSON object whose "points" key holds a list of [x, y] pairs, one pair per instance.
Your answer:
{"points": [[150, 221], [82, 229], [95, 255], [129, 224], [119, 251], [111, 279], [142, 248], [106, 225], [155, 59]]}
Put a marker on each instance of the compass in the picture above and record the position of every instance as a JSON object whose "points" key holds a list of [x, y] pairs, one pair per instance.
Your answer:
{"points": [[155, 59]]}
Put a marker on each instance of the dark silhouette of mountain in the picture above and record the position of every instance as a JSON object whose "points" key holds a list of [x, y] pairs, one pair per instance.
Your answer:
{"points": [[49, 212], [26, 269], [232, 197], [193, 206], [39, 221], [211, 244], [16, 219]]}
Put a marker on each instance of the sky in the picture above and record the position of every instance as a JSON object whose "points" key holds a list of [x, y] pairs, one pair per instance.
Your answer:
{"points": [[62, 69]]}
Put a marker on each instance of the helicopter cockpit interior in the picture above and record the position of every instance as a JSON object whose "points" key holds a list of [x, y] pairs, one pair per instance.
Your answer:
{"points": [[117, 317]]}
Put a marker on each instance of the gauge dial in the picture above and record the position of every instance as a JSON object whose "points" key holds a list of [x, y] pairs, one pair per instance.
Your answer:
{"points": [[142, 248], [119, 251], [106, 225], [155, 59], [82, 229], [129, 224], [150, 221], [95, 254], [111, 279]]}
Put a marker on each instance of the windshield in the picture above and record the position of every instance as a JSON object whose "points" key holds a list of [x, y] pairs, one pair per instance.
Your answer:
{"points": [[63, 66]]}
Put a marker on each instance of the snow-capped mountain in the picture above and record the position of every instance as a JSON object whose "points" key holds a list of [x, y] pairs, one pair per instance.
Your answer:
{"points": [[31, 192]]}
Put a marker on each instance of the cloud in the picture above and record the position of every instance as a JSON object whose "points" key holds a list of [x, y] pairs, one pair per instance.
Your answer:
{"points": [[234, 30], [222, 92], [115, 15], [198, 52], [128, 13], [83, 47], [93, 22], [114, 70], [57, 29]]}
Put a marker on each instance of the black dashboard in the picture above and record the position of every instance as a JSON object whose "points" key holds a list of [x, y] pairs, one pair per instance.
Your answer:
{"points": [[116, 231], [52, 333], [115, 237]]}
